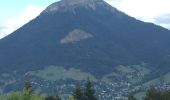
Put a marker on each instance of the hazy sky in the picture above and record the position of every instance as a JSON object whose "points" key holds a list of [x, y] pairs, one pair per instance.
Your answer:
{"points": [[15, 13]]}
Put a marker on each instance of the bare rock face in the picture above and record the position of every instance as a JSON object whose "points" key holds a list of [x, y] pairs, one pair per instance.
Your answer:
{"points": [[76, 2], [75, 36], [66, 5]]}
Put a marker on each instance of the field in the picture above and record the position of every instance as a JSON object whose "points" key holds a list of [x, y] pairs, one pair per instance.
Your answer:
{"points": [[54, 73]]}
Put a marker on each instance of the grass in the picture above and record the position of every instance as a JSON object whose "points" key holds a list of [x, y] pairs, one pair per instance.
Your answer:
{"points": [[125, 69], [163, 78], [110, 77], [23, 95], [57, 73], [6, 79], [140, 95], [132, 73]]}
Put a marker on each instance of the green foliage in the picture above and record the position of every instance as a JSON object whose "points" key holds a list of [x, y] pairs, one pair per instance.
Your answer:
{"points": [[78, 93], [152, 94], [89, 92], [71, 98], [24, 95], [131, 98], [53, 98], [28, 86], [54, 73]]}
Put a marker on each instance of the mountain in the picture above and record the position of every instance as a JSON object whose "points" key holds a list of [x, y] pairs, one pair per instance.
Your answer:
{"points": [[88, 35]]}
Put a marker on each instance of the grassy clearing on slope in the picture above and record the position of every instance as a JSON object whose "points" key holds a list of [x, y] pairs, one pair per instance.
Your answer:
{"points": [[132, 73], [57, 73], [163, 78], [125, 69], [110, 77], [6, 79]]}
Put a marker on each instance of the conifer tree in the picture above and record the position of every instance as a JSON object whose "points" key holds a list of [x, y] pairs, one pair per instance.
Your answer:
{"points": [[131, 98], [28, 86], [89, 91], [78, 93], [57, 97], [165, 95], [152, 94], [53, 98]]}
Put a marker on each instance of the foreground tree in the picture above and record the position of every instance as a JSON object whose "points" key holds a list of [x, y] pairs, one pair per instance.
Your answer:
{"points": [[89, 91], [131, 98], [78, 93], [152, 94], [165, 95], [24, 95], [53, 98], [28, 86], [71, 98]]}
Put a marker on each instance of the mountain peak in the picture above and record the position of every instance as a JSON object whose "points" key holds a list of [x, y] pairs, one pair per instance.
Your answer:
{"points": [[74, 2], [65, 5]]}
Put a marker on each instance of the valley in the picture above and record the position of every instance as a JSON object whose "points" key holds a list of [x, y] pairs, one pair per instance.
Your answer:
{"points": [[124, 80]]}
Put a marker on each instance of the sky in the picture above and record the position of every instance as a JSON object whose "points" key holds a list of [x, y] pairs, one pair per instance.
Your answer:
{"points": [[15, 13]]}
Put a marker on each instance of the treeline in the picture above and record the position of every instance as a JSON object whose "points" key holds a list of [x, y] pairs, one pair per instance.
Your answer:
{"points": [[154, 94], [87, 92]]}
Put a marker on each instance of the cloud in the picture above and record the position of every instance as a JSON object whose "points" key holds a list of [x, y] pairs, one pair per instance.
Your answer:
{"points": [[114, 2], [146, 10], [163, 19], [11, 25], [1, 33], [1, 27]]}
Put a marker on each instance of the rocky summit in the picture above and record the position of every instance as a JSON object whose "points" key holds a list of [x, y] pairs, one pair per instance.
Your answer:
{"points": [[66, 5]]}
